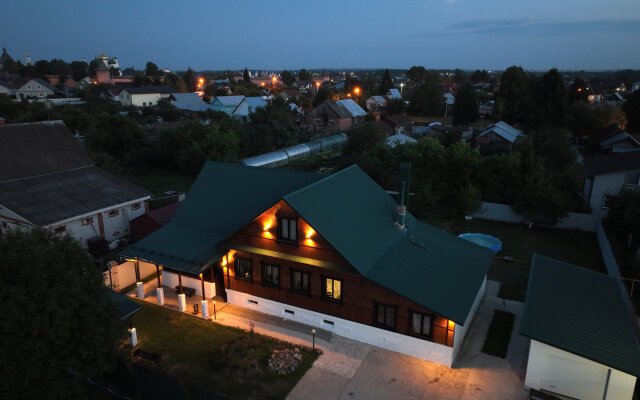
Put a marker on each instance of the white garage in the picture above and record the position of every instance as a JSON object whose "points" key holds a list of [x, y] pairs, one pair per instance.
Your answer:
{"points": [[584, 336]]}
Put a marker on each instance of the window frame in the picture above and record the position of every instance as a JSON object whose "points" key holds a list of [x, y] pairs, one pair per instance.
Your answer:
{"points": [[386, 307], [87, 221], [323, 286], [236, 264], [113, 213], [626, 176], [288, 239], [135, 206], [277, 267], [300, 291], [422, 317], [605, 196]]}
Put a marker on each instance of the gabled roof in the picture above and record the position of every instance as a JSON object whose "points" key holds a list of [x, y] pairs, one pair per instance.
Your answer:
{"points": [[379, 99], [398, 119], [424, 264], [399, 138], [394, 94], [620, 137], [41, 82], [505, 131], [228, 100], [352, 107], [46, 176], [189, 243], [149, 90], [256, 102], [618, 162], [188, 101], [582, 312]]}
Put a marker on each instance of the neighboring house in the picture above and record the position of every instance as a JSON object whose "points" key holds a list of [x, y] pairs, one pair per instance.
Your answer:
{"points": [[226, 104], [147, 96], [393, 94], [500, 136], [36, 88], [247, 106], [48, 180], [395, 124], [615, 140], [335, 115], [606, 175], [334, 252], [584, 334], [399, 138], [150, 222], [376, 103], [188, 102], [112, 94], [7, 88]]}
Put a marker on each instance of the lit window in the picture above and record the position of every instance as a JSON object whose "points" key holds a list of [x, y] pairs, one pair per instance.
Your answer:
{"points": [[300, 281], [332, 289], [113, 213], [289, 229], [87, 221], [420, 324], [632, 178], [243, 269], [384, 315], [271, 274]]}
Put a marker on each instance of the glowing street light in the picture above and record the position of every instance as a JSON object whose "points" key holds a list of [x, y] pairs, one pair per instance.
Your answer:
{"points": [[357, 91]]}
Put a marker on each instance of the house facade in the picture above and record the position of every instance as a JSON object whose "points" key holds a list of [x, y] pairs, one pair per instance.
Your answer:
{"points": [[147, 96], [335, 115], [47, 180], [605, 176], [363, 268], [35, 88]]}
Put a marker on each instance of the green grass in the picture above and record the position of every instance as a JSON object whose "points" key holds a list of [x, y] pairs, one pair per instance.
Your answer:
{"points": [[223, 360], [520, 243], [499, 334]]}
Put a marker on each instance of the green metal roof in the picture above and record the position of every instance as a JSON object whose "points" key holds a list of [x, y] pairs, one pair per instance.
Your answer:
{"points": [[223, 199], [424, 264], [125, 307], [582, 312]]}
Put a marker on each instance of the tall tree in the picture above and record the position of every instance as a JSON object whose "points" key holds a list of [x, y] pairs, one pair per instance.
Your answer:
{"points": [[287, 77], [245, 75], [465, 107], [427, 99], [57, 317], [386, 82], [632, 110], [552, 97], [514, 95], [190, 80], [416, 75], [151, 69], [459, 77], [304, 75]]}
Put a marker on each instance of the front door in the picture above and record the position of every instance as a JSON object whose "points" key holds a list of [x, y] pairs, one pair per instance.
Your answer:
{"points": [[219, 280]]}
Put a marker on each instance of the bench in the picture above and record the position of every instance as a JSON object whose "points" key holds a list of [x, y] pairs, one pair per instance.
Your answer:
{"points": [[149, 356], [186, 290]]}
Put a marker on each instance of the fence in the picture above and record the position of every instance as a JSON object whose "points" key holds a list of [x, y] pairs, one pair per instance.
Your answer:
{"points": [[123, 275], [504, 213]]}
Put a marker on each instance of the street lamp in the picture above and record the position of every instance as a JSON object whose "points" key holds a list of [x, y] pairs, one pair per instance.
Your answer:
{"points": [[313, 333]]}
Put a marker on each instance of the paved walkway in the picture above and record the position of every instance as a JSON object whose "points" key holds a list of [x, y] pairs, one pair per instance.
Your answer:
{"points": [[348, 369]]}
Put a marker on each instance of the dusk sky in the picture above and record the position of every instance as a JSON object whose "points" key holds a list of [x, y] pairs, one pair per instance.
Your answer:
{"points": [[287, 34]]}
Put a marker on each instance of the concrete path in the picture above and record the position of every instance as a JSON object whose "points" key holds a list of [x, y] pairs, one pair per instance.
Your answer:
{"points": [[348, 369]]}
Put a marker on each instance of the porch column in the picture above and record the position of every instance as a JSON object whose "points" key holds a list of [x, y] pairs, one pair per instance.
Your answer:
{"points": [[160, 289], [202, 283], [137, 269], [204, 306], [182, 300]]}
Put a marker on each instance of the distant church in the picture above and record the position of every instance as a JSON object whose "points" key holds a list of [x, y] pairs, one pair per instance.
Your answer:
{"points": [[106, 67]]}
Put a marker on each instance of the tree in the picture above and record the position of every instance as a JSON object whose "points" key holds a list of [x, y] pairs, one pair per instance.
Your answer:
{"points": [[151, 69], [623, 217], [57, 316], [552, 97], [245, 75], [459, 77], [364, 139], [427, 98], [394, 106], [190, 80], [514, 94], [304, 75], [465, 107], [632, 110], [287, 77], [386, 83], [416, 75]]}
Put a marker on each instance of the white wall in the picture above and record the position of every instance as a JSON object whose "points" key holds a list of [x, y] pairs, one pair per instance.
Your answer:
{"points": [[604, 184], [567, 374], [461, 330], [171, 280], [11, 220], [126, 273], [404, 344], [139, 100], [504, 213]]}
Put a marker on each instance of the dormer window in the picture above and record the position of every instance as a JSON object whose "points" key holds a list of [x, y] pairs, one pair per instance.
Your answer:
{"points": [[288, 229]]}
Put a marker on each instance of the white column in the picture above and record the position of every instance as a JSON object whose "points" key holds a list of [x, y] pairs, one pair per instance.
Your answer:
{"points": [[204, 305], [133, 336], [182, 302], [140, 288], [160, 295]]}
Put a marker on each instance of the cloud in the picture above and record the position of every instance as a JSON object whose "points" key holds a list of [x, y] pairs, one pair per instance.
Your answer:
{"points": [[537, 26]]}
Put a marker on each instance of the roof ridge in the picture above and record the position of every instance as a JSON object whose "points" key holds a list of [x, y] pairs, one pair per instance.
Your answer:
{"points": [[241, 166], [325, 179], [50, 173]]}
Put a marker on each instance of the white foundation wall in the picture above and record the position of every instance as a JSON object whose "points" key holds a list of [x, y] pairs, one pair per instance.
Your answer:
{"points": [[404, 344], [549, 368], [171, 279], [461, 330]]}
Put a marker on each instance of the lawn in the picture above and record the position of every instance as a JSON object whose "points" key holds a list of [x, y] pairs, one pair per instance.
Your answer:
{"points": [[520, 243], [227, 361], [499, 334]]}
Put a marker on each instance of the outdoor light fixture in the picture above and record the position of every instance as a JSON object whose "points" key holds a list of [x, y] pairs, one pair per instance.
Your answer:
{"points": [[313, 333]]}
